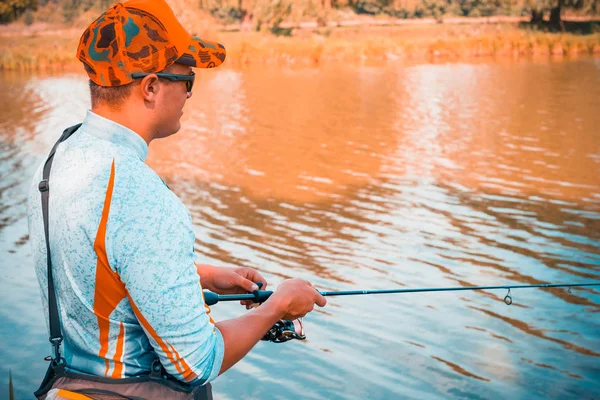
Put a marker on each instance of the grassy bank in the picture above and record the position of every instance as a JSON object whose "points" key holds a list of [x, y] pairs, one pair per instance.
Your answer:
{"points": [[37, 53], [435, 42]]}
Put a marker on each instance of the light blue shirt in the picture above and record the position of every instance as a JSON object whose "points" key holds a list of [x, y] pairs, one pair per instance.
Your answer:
{"points": [[122, 250]]}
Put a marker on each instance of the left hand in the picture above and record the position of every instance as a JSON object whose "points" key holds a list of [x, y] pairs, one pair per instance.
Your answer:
{"points": [[224, 280]]}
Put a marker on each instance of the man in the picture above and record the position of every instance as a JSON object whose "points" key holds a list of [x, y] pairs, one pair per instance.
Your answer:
{"points": [[122, 244]]}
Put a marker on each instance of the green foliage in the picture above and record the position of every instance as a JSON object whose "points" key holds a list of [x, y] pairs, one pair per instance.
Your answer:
{"points": [[370, 6], [70, 9], [228, 15], [279, 31], [6, 12], [87, 4], [439, 8], [28, 17], [267, 15], [12, 9], [584, 6]]}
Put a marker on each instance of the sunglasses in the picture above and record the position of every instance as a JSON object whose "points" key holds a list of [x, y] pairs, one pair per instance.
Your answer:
{"points": [[188, 79]]}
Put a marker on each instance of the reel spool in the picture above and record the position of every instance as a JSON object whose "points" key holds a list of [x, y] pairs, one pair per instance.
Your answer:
{"points": [[285, 330]]}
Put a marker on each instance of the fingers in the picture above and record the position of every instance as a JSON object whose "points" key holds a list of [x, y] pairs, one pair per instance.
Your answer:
{"points": [[320, 300], [246, 284], [256, 277], [253, 275], [297, 297], [249, 304]]}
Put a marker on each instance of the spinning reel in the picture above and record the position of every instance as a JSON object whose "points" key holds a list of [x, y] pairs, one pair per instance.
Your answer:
{"points": [[285, 330]]}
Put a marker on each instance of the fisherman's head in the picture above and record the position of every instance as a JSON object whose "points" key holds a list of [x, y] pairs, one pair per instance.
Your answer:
{"points": [[139, 60]]}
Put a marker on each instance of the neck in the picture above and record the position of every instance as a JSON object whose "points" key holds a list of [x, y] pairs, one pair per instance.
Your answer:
{"points": [[126, 118]]}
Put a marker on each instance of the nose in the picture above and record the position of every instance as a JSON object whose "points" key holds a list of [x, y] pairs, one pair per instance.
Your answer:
{"points": [[189, 94]]}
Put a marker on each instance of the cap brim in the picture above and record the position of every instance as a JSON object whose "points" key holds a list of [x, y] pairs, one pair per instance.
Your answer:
{"points": [[203, 54]]}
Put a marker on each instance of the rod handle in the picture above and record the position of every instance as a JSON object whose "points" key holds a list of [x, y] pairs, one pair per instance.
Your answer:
{"points": [[260, 296], [210, 298]]}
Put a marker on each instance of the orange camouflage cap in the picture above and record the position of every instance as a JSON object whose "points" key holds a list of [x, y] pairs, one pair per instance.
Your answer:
{"points": [[141, 36]]}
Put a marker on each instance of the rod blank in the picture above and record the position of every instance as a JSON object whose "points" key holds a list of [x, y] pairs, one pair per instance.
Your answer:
{"points": [[452, 289], [260, 296]]}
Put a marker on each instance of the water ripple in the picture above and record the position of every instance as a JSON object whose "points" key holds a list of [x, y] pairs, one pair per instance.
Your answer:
{"points": [[374, 178]]}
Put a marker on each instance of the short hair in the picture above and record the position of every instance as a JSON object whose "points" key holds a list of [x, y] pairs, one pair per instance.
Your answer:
{"points": [[113, 96]]}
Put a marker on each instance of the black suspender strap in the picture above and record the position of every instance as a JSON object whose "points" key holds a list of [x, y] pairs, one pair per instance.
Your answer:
{"points": [[56, 336]]}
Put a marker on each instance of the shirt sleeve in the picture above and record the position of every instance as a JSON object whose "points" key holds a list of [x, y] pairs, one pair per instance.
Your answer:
{"points": [[153, 252]]}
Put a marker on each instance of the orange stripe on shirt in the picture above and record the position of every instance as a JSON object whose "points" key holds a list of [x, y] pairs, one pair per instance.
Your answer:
{"points": [[109, 289], [184, 370], [206, 308], [118, 372], [177, 357]]}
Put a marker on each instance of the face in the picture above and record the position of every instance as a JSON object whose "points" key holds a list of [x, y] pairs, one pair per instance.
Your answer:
{"points": [[170, 101]]}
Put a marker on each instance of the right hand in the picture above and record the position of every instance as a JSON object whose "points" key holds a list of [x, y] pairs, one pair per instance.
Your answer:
{"points": [[295, 298]]}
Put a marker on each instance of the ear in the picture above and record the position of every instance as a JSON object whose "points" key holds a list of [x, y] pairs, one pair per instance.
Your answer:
{"points": [[149, 87]]}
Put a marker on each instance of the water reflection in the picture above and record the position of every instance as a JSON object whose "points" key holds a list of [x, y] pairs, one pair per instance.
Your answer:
{"points": [[16, 129], [288, 143], [536, 332], [458, 369], [436, 175]]}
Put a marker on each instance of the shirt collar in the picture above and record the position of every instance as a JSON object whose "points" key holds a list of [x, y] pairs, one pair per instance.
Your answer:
{"points": [[114, 132]]}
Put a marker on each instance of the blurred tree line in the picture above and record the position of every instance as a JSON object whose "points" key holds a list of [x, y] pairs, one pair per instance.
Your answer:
{"points": [[10, 10], [239, 10], [268, 13]]}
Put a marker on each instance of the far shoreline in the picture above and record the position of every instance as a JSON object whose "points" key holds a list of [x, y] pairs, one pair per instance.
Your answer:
{"points": [[47, 48]]}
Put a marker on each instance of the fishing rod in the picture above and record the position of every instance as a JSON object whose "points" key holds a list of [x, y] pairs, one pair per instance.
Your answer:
{"points": [[260, 296], [285, 330]]}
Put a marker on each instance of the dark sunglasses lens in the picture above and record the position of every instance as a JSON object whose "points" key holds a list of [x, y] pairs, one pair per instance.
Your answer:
{"points": [[190, 84]]}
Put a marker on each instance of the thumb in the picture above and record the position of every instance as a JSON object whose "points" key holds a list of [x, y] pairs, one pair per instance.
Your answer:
{"points": [[247, 284]]}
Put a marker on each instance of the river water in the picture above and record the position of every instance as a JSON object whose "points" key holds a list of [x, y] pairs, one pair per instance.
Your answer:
{"points": [[357, 177]]}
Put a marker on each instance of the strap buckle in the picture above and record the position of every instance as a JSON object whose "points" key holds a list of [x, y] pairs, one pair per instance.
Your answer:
{"points": [[56, 344], [156, 369], [44, 186]]}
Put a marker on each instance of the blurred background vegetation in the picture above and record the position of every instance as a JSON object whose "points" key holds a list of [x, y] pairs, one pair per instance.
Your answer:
{"points": [[265, 14], [312, 32]]}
